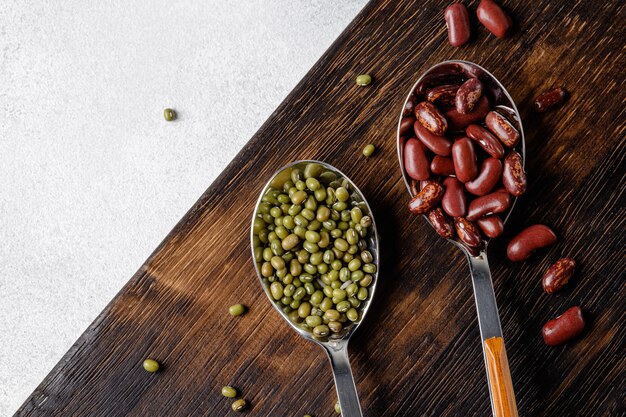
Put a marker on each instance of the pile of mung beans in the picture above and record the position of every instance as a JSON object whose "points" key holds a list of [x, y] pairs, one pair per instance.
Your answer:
{"points": [[310, 240]]}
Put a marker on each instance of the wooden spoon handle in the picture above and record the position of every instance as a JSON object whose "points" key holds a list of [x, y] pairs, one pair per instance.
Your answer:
{"points": [[500, 381]]}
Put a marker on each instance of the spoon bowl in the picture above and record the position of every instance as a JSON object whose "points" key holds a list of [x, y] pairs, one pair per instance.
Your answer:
{"points": [[457, 72], [498, 374], [335, 344]]}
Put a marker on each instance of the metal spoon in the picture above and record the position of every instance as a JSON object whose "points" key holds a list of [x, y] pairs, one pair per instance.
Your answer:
{"points": [[335, 345], [498, 373]]}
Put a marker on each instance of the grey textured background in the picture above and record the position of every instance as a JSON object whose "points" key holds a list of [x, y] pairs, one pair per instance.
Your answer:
{"points": [[91, 176]]}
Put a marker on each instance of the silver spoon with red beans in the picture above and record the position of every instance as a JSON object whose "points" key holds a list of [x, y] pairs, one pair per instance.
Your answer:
{"points": [[461, 150]]}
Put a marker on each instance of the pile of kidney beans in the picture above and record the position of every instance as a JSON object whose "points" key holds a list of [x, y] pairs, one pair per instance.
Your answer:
{"points": [[462, 154]]}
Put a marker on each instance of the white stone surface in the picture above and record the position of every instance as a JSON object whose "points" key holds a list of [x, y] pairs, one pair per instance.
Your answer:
{"points": [[91, 176]]}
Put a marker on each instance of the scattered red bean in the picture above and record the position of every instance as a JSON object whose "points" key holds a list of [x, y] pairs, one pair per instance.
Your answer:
{"points": [[492, 226], [438, 144], [458, 23], [468, 95], [441, 223], [564, 328], [550, 99], [426, 199], [513, 175], [491, 15], [431, 118], [441, 165], [486, 140], [453, 201], [443, 95], [458, 121], [502, 128], [489, 175], [415, 159], [464, 158], [494, 203], [522, 246], [558, 275]]}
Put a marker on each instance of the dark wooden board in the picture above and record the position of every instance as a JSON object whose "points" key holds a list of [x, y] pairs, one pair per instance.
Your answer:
{"points": [[418, 352]]}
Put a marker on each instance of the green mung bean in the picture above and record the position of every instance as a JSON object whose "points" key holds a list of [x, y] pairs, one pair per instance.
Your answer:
{"points": [[236, 309], [369, 150], [229, 392], [364, 80]]}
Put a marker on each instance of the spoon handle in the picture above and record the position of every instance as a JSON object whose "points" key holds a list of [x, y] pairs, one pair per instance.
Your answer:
{"points": [[498, 372], [344, 381]]}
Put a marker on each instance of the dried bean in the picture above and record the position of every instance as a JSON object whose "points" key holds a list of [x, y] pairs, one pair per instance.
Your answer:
{"points": [[550, 99], [415, 159], [558, 275], [443, 95], [489, 175], [453, 201], [426, 199], [486, 140], [457, 20], [431, 118], [564, 328], [468, 95], [502, 128], [522, 246], [464, 159], [438, 144], [441, 223], [513, 175], [491, 15]]}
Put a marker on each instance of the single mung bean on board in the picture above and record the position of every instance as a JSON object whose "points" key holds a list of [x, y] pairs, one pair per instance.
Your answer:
{"points": [[236, 309], [239, 405], [229, 392], [369, 150], [364, 80]]}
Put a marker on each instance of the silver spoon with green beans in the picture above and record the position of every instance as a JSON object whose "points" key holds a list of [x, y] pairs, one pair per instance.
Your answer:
{"points": [[315, 249]]}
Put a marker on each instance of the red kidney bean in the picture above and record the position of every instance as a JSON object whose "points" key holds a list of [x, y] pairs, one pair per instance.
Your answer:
{"points": [[550, 99], [443, 95], [564, 328], [453, 201], [529, 240], [431, 118], [406, 125], [409, 107], [502, 128], [494, 203], [441, 165], [438, 144], [486, 140], [457, 20], [441, 223], [468, 95], [458, 121], [494, 18], [488, 177], [415, 159], [513, 175], [468, 233], [464, 159], [492, 226], [426, 199], [558, 275]]}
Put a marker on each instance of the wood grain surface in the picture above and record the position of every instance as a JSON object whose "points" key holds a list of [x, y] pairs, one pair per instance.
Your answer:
{"points": [[418, 353]]}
